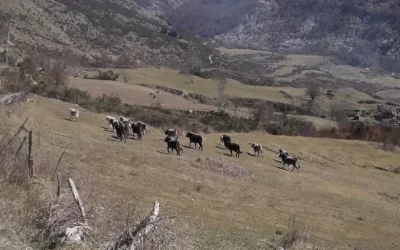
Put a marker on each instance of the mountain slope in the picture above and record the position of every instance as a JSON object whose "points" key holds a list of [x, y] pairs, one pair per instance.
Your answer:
{"points": [[361, 27], [91, 26]]}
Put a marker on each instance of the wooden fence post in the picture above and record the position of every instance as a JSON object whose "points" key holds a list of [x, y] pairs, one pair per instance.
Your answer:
{"points": [[30, 157], [58, 185]]}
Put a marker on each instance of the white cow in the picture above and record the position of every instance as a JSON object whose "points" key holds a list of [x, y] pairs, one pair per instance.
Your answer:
{"points": [[257, 149], [111, 120], [74, 114]]}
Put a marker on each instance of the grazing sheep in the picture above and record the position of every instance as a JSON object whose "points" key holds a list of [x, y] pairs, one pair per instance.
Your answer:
{"points": [[173, 143], [121, 130], [289, 160], [137, 128], [233, 147], [111, 120], [171, 133], [74, 114], [190, 111], [257, 149], [196, 139], [224, 139]]}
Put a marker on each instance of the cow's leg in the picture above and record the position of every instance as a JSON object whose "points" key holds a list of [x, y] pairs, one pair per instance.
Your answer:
{"points": [[168, 149]]}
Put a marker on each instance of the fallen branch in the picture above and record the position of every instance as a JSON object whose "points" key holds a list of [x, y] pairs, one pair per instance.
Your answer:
{"points": [[68, 136], [133, 237], [77, 199], [147, 226]]}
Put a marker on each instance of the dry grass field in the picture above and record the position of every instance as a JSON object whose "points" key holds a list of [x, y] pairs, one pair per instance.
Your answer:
{"points": [[136, 95], [340, 199], [172, 79]]}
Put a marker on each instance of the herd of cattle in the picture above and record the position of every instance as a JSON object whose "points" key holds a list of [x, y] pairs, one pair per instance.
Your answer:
{"points": [[124, 126]]}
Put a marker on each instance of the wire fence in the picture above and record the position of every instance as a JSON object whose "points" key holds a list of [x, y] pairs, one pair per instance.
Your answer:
{"points": [[16, 162]]}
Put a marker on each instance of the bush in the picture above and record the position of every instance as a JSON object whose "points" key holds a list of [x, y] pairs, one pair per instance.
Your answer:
{"points": [[391, 104], [108, 75], [377, 97], [291, 126], [367, 102]]}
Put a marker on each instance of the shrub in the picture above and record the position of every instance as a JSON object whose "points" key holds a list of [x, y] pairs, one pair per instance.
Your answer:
{"points": [[293, 126], [377, 97], [367, 102], [391, 104], [104, 75]]}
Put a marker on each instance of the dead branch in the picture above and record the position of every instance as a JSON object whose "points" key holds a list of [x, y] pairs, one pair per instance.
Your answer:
{"points": [[77, 199], [134, 237], [147, 226], [22, 127], [20, 147], [64, 135], [58, 163]]}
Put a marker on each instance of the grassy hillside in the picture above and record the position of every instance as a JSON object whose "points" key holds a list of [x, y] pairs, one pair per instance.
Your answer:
{"points": [[208, 87], [340, 198]]}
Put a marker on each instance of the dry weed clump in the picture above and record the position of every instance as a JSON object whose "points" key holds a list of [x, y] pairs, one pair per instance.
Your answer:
{"points": [[58, 219], [153, 232], [292, 236], [226, 168]]}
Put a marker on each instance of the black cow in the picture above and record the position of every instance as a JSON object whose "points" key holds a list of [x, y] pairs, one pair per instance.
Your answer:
{"points": [[196, 139], [225, 139], [233, 147], [138, 130], [173, 143], [289, 160], [121, 130]]}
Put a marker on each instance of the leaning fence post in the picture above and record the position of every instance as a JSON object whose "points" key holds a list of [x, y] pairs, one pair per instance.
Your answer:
{"points": [[30, 158], [58, 184]]}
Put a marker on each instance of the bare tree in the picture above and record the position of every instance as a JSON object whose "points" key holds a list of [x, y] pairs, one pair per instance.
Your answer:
{"points": [[313, 91], [221, 97], [123, 61], [338, 112], [57, 73], [28, 69], [126, 76], [262, 114]]}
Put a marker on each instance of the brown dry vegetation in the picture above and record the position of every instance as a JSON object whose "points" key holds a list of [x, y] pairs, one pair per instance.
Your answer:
{"points": [[340, 181]]}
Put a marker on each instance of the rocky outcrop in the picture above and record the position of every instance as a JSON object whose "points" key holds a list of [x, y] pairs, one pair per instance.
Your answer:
{"points": [[341, 27]]}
